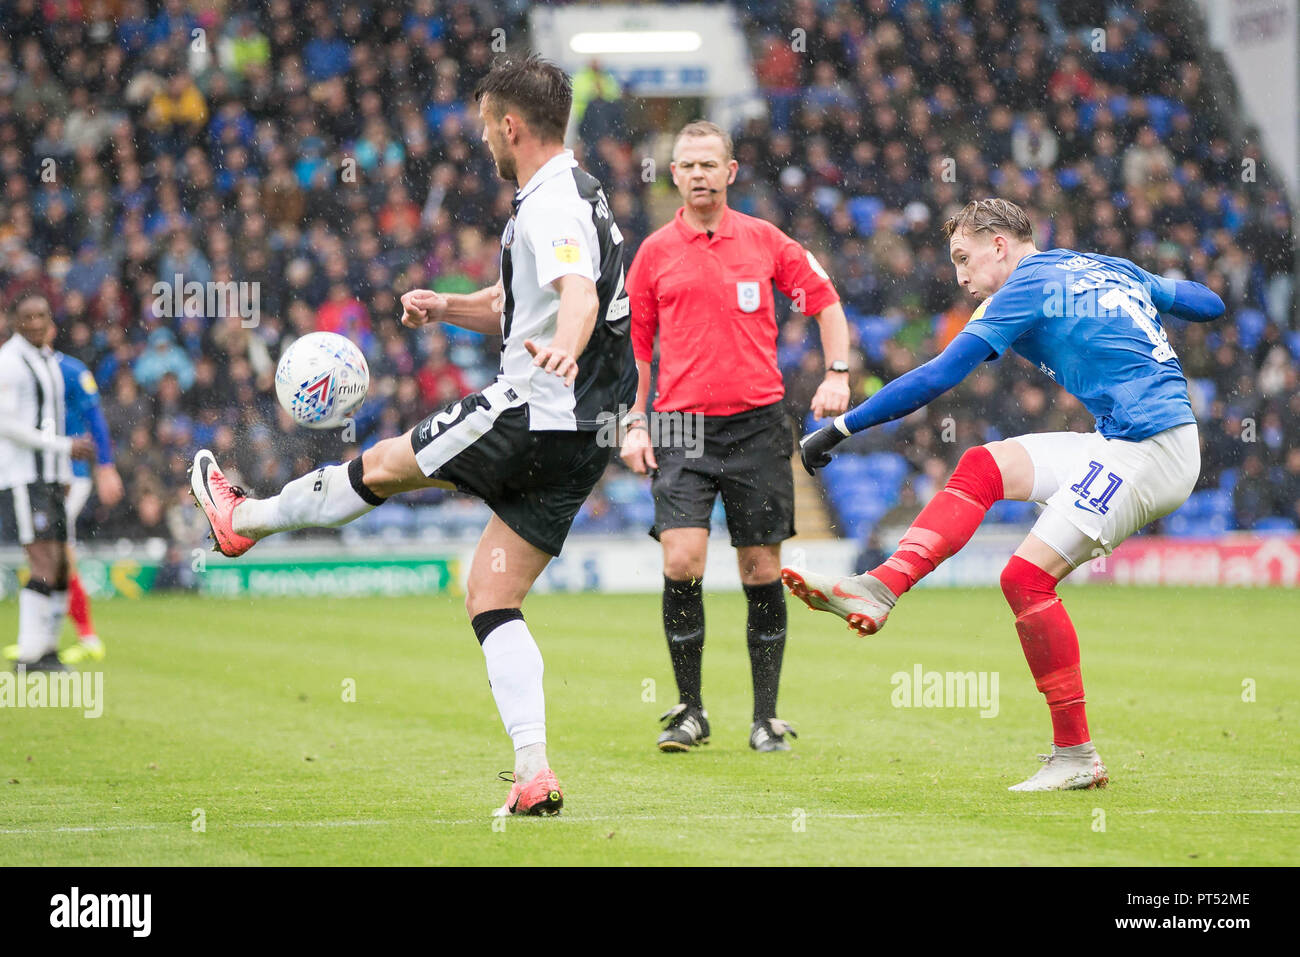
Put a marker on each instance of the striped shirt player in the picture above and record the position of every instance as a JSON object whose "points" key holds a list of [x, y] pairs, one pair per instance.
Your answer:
{"points": [[35, 468], [35, 450], [531, 443], [1090, 323], [527, 444]]}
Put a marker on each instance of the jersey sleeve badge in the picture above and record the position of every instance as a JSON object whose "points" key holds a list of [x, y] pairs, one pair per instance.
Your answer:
{"points": [[87, 381], [567, 250], [982, 308]]}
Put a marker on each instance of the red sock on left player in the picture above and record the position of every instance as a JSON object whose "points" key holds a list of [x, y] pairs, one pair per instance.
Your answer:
{"points": [[79, 608], [1051, 647]]}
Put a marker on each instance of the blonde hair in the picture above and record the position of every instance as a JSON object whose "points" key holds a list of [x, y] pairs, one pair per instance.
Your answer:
{"points": [[991, 215], [705, 128]]}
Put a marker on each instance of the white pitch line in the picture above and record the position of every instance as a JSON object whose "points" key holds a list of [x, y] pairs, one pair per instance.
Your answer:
{"points": [[594, 818]]}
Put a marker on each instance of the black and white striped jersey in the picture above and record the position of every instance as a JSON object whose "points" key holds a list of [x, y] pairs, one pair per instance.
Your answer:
{"points": [[562, 225], [33, 447]]}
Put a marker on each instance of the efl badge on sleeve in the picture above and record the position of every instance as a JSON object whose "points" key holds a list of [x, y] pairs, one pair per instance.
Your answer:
{"points": [[566, 250], [747, 296]]}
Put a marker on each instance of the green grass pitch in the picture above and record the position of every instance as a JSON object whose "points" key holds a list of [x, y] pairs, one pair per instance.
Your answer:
{"points": [[231, 714]]}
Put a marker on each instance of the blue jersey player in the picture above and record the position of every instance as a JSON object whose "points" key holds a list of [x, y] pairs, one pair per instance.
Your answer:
{"points": [[1090, 323], [85, 416]]}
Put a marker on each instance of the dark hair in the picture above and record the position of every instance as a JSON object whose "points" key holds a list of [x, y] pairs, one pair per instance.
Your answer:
{"points": [[991, 215], [537, 88]]}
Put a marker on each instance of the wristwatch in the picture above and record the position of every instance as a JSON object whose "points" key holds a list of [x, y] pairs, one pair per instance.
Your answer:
{"points": [[636, 420], [839, 365]]}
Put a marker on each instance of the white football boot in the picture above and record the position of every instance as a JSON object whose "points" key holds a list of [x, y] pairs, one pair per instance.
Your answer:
{"points": [[1067, 769], [861, 600]]}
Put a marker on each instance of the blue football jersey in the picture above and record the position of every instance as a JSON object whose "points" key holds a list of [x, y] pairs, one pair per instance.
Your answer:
{"points": [[1088, 322], [82, 411]]}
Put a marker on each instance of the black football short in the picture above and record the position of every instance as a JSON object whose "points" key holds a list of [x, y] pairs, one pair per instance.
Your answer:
{"points": [[35, 512], [744, 457], [534, 481]]}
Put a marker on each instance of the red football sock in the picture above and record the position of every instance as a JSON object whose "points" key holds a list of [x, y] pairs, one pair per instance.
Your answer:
{"points": [[946, 523], [79, 608], [1051, 647]]}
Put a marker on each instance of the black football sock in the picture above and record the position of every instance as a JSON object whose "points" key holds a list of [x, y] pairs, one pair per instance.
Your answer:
{"points": [[684, 626], [766, 639]]}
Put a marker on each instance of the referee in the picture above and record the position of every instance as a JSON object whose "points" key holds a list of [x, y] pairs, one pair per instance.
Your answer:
{"points": [[35, 468], [703, 285]]}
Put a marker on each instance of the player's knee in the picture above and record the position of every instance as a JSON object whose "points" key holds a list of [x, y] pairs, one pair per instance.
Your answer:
{"points": [[479, 599], [1010, 583], [682, 565], [1026, 586], [1015, 469], [386, 467], [759, 566], [42, 562]]}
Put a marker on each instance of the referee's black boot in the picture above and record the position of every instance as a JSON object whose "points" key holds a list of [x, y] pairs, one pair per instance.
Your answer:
{"points": [[768, 734], [46, 662], [687, 728]]}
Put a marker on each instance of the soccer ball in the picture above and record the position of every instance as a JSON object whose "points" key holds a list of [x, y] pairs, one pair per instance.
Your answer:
{"points": [[321, 380]]}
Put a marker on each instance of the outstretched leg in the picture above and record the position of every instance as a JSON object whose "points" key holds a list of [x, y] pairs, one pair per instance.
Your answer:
{"points": [[984, 475], [330, 496]]}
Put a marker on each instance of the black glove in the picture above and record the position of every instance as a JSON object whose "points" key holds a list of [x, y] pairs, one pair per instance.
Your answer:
{"points": [[815, 448]]}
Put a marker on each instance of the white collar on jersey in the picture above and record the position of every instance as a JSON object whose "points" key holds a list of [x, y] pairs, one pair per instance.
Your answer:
{"points": [[23, 345], [553, 166]]}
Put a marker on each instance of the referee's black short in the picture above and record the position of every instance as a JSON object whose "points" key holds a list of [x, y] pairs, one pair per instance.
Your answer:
{"points": [[746, 458], [535, 482], [34, 512]]}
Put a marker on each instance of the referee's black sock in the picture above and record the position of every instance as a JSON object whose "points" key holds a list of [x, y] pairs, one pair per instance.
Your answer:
{"points": [[766, 639], [684, 626]]}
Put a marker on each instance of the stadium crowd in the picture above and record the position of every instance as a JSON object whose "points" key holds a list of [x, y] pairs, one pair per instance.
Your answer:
{"points": [[329, 154]]}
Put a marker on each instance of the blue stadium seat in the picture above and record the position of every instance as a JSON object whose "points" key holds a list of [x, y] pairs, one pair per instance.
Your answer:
{"points": [[1207, 503], [1007, 512], [864, 210], [1181, 525], [1228, 480], [1161, 112], [874, 332], [1205, 390], [1250, 327], [640, 514]]}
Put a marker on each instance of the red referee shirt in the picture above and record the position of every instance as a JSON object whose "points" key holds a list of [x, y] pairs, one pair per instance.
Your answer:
{"points": [[710, 301]]}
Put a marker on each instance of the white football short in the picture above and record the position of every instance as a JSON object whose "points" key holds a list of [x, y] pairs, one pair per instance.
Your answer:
{"points": [[1099, 491], [79, 490]]}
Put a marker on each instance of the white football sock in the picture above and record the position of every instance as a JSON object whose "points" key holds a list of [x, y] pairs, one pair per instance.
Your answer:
{"points": [[33, 625], [58, 610], [514, 667], [323, 498]]}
